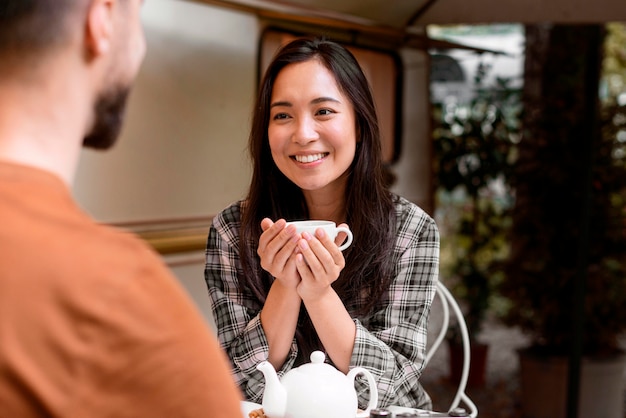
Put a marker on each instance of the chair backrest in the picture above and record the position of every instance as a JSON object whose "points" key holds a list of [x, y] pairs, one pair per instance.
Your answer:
{"points": [[448, 302]]}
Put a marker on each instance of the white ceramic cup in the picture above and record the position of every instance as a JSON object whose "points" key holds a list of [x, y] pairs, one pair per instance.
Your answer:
{"points": [[329, 227]]}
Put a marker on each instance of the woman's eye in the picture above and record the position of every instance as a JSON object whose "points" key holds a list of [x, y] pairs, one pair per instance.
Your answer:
{"points": [[325, 112], [279, 116]]}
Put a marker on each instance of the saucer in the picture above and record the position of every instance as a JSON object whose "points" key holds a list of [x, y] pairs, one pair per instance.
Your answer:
{"points": [[247, 407]]}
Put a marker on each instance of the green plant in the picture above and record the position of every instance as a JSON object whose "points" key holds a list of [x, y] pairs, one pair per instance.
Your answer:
{"points": [[474, 151]]}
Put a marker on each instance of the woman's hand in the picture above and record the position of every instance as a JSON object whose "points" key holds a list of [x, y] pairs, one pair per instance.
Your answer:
{"points": [[319, 263], [277, 248]]}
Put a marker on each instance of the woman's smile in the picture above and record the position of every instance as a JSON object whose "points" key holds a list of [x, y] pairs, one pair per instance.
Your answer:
{"points": [[311, 158]]}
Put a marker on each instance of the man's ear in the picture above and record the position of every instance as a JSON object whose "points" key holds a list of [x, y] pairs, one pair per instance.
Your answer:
{"points": [[99, 26]]}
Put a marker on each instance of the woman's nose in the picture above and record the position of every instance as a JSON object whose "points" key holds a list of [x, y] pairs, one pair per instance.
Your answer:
{"points": [[305, 131]]}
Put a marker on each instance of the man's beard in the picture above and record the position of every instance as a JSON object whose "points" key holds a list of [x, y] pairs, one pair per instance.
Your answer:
{"points": [[109, 116]]}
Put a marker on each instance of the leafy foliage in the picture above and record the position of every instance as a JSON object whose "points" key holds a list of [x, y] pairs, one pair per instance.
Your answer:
{"points": [[614, 65], [475, 148]]}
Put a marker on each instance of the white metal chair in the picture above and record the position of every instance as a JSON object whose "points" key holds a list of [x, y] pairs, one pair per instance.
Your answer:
{"points": [[447, 302]]}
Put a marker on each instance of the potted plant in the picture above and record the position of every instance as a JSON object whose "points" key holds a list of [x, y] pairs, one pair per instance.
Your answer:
{"points": [[474, 150], [569, 229]]}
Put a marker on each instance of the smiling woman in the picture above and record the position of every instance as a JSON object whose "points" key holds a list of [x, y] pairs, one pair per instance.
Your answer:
{"points": [[279, 295]]}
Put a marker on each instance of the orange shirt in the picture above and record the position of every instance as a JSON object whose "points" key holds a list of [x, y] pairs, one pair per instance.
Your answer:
{"points": [[92, 324]]}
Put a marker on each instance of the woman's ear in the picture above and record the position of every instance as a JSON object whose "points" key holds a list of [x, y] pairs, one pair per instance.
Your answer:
{"points": [[99, 26]]}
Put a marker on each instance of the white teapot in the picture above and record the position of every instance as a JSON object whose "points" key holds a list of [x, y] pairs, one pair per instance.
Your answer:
{"points": [[314, 390]]}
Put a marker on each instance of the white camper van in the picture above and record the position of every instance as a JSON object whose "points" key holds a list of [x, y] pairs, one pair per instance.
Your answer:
{"points": [[185, 157]]}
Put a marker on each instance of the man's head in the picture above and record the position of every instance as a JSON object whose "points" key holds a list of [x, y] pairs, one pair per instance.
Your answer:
{"points": [[126, 51], [104, 37]]}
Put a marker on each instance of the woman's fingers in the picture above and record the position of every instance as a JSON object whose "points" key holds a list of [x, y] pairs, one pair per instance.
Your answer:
{"points": [[271, 230], [332, 255], [276, 245], [266, 223], [322, 256]]}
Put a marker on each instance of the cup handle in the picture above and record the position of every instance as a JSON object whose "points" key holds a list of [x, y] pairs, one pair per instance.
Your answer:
{"points": [[348, 240], [373, 403]]}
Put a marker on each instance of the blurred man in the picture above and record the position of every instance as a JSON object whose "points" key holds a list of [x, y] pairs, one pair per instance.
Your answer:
{"points": [[92, 324]]}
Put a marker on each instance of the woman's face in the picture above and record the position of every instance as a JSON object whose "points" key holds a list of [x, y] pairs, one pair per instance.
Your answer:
{"points": [[312, 131]]}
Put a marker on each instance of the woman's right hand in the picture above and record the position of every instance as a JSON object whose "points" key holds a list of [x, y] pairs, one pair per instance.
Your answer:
{"points": [[277, 250]]}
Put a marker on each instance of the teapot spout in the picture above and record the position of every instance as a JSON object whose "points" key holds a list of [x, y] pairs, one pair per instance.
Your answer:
{"points": [[275, 395]]}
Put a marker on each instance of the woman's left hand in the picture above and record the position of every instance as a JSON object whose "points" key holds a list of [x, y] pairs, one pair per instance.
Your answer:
{"points": [[319, 263]]}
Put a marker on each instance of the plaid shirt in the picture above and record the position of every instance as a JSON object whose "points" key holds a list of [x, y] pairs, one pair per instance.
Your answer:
{"points": [[390, 342]]}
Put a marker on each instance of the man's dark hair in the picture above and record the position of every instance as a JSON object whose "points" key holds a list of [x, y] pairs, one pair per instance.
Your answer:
{"points": [[31, 26]]}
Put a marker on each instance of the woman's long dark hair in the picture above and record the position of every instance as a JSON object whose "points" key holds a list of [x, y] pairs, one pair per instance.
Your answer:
{"points": [[369, 206]]}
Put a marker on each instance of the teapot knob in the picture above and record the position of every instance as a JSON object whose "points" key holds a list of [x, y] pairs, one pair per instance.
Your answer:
{"points": [[318, 357]]}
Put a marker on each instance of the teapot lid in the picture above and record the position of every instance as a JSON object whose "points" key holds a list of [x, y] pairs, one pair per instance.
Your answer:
{"points": [[317, 366], [318, 357]]}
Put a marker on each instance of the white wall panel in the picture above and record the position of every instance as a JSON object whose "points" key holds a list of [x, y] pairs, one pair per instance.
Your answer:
{"points": [[414, 167], [182, 152]]}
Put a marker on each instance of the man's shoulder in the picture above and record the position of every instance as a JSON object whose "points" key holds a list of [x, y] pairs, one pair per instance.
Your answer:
{"points": [[121, 248]]}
